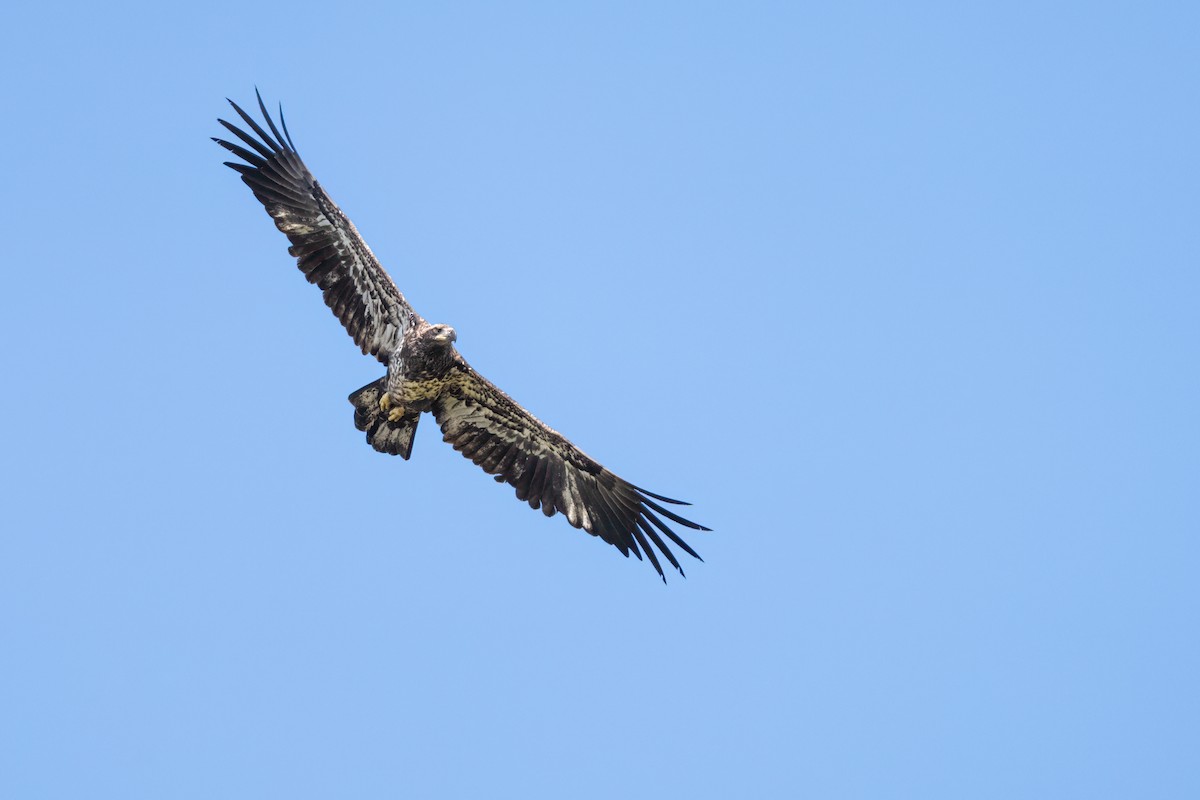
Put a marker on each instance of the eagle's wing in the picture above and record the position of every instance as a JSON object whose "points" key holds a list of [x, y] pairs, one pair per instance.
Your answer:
{"points": [[490, 428], [325, 243]]}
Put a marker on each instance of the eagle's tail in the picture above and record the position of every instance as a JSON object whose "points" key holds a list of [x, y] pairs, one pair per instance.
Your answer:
{"points": [[394, 438]]}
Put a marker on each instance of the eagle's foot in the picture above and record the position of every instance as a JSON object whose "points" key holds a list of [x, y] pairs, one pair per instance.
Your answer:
{"points": [[394, 412]]}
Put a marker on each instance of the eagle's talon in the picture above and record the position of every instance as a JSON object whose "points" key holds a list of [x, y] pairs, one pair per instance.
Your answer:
{"points": [[385, 402], [396, 414]]}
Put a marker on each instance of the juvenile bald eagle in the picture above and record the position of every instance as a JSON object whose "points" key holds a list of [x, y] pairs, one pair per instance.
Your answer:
{"points": [[425, 371]]}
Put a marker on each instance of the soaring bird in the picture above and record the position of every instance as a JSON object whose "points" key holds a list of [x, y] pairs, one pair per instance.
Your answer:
{"points": [[425, 371]]}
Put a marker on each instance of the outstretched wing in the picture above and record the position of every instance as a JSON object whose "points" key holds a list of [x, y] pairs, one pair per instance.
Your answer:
{"points": [[490, 428], [325, 243]]}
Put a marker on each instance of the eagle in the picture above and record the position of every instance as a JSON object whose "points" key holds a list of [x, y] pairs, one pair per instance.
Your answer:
{"points": [[426, 373]]}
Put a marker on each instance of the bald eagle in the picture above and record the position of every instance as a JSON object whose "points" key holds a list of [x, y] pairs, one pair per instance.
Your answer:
{"points": [[426, 373]]}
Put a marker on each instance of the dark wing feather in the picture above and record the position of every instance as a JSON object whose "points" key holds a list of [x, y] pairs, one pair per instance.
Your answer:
{"points": [[490, 428], [328, 248]]}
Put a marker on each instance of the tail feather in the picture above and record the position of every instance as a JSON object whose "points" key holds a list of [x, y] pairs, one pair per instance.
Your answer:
{"points": [[393, 438]]}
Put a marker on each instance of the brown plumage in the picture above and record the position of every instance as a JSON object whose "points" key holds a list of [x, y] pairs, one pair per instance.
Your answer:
{"points": [[426, 373]]}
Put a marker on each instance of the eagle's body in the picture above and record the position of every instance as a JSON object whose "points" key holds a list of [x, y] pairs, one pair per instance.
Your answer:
{"points": [[419, 371], [425, 373]]}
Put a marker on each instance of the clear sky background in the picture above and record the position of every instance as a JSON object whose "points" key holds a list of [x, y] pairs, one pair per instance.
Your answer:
{"points": [[903, 296]]}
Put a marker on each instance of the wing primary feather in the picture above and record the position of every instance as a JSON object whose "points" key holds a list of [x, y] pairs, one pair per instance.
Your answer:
{"points": [[650, 554], [666, 551], [293, 168], [622, 510], [630, 505], [294, 187], [633, 547], [606, 522], [247, 138], [616, 527], [260, 180], [242, 153], [674, 517], [269, 194], [263, 108], [662, 526], [249, 120], [287, 135], [660, 497]]}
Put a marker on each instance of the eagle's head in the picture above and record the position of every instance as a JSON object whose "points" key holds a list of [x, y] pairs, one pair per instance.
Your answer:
{"points": [[442, 335], [426, 350]]}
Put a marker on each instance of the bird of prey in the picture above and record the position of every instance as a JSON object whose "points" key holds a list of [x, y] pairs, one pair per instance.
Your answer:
{"points": [[425, 371]]}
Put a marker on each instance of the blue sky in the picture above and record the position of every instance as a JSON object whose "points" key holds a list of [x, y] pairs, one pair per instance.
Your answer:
{"points": [[904, 299]]}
